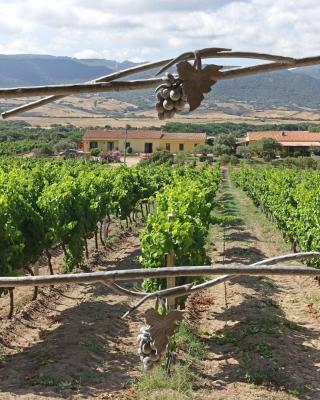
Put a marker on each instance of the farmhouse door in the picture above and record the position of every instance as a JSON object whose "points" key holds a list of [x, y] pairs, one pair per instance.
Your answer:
{"points": [[148, 147], [110, 146]]}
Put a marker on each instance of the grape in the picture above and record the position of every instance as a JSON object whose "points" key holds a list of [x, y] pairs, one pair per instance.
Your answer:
{"points": [[159, 107], [170, 96], [168, 105], [175, 94], [147, 350], [165, 93]]}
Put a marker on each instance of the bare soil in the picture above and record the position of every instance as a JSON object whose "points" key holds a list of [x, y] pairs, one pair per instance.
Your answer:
{"points": [[262, 333], [72, 342]]}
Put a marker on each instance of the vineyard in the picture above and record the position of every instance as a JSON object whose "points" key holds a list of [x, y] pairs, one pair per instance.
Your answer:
{"points": [[46, 204], [74, 208], [290, 198]]}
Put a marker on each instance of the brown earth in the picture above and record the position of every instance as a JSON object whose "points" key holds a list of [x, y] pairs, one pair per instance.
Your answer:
{"points": [[262, 333], [72, 342]]}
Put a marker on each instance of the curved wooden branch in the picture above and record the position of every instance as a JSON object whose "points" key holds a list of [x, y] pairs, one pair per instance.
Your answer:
{"points": [[191, 288], [65, 90], [118, 86], [226, 53], [107, 78], [270, 67]]}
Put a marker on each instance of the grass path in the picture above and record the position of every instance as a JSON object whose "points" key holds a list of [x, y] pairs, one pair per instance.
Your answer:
{"points": [[263, 339]]}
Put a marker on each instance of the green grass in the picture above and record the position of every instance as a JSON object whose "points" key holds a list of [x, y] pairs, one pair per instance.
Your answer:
{"points": [[186, 340], [156, 384], [268, 324], [44, 380], [92, 345], [314, 302], [181, 381]]}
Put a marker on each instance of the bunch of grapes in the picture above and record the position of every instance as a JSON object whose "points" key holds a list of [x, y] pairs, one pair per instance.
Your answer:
{"points": [[171, 98], [147, 351]]}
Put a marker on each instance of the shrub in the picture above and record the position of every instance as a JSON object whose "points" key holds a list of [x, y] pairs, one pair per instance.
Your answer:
{"points": [[95, 152], [221, 149], [225, 159], [181, 158], [158, 158], [203, 149], [266, 148], [45, 150], [244, 152], [234, 160]]}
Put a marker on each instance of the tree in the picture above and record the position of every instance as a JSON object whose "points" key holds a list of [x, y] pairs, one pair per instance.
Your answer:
{"points": [[202, 148], [228, 140], [267, 148], [244, 152], [221, 149]]}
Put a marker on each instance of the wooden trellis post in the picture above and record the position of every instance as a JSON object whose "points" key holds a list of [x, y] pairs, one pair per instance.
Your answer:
{"points": [[171, 280]]}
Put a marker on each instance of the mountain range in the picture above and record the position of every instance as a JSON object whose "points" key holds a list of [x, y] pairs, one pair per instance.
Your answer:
{"points": [[298, 88]]}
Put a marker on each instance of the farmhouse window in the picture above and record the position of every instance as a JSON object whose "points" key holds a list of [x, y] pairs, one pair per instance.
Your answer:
{"points": [[168, 146], [148, 148], [110, 146], [93, 145], [181, 147]]}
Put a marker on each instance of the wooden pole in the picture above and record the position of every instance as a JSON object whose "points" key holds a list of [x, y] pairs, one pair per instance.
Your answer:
{"points": [[270, 67], [134, 274], [171, 280], [118, 86], [106, 78], [170, 262], [65, 90]]}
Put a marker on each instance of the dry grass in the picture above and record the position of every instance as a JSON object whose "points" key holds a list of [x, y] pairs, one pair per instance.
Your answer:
{"points": [[95, 110]]}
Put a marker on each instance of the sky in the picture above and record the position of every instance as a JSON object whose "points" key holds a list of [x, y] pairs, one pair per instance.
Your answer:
{"points": [[140, 30]]}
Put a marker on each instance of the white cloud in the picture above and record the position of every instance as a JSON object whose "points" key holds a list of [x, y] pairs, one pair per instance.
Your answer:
{"points": [[144, 29]]}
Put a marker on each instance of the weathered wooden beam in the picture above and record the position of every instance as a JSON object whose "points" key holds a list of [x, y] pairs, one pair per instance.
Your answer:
{"points": [[226, 53], [270, 67], [65, 90], [188, 289], [117, 86], [134, 274], [106, 78]]}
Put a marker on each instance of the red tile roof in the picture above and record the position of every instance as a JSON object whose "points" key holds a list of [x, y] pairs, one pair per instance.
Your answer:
{"points": [[140, 134], [120, 134], [285, 136], [201, 137]]}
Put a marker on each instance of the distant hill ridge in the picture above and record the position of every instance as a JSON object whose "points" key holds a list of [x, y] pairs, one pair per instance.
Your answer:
{"points": [[298, 87]]}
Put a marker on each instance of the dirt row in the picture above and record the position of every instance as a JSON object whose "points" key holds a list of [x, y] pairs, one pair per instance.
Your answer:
{"points": [[71, 342], [262, 333]]}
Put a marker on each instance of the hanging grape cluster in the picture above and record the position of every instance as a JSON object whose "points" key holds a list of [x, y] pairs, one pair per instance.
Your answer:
{"points": [[147, 350], [171, 98]]}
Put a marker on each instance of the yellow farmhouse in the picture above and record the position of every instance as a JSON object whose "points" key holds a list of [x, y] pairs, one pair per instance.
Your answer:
{"points": [[142, 141]]}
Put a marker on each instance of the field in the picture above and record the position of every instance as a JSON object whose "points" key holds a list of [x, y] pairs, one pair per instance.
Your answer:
{"points": [[96, 110], [254, 337]]}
